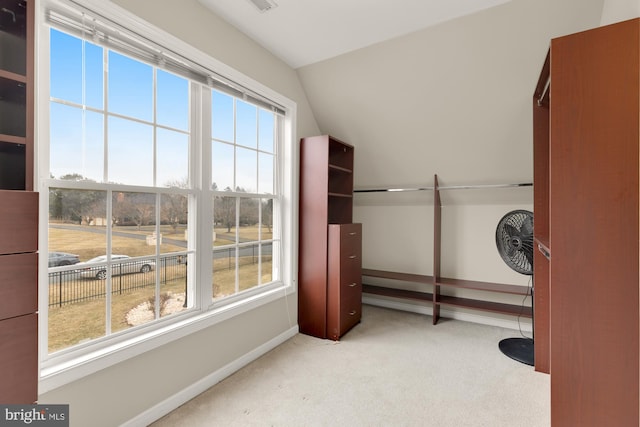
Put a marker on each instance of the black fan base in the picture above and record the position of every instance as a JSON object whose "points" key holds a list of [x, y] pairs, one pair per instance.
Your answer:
{"points": [[520, 349]]}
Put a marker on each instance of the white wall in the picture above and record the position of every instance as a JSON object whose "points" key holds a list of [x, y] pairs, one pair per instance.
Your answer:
{"points": [[619, 10], [122, 392], [454, 100]]}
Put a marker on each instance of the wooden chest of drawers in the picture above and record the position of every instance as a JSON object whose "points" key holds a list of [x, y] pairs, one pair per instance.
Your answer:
{"points": [[18, 297], [344, 279]]}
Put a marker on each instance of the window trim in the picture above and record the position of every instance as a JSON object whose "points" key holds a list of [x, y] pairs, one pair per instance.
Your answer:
{"points": [[67, 366]]}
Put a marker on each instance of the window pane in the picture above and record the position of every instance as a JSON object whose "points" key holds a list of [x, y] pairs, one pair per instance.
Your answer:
{"points": [[130, 87], [173, 225], [224, 272], [174, 283], [173, 101], [222, 166], [130, 152], [248, 264], [172, 159], [66, 67], [265, 173], [246, 170], [94, 76], [134, 224], [267, 220], [224, 258], [76, 143], [68, 79], [222, 116], [133, 279], [249, 230], [265, 141], [266, 264], [224, 220], [246, 124], [249, 219], [77, 233]]}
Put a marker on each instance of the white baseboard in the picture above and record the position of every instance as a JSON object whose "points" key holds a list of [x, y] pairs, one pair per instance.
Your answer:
{"points": [[163, 408], [524, 326]]}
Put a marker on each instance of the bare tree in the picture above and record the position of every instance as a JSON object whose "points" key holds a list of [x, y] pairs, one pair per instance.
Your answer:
{"points": [[137, 208], [174, 206]]}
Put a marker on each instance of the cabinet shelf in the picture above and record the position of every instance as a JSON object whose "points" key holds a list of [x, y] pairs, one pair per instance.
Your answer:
{"points": [[490, 306], [483, 286], [336, 168], [397, 293], [21, 140], [8, 75], [448, 300]]}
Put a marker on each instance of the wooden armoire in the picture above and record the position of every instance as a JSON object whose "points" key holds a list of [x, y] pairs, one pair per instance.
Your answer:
{"points": [[586, 157]]}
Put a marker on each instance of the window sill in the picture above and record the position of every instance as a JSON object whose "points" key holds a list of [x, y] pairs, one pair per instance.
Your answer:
{"points": [[60, 372]]}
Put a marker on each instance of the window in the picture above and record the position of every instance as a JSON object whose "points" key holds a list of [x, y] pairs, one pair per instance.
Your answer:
{"points": [[243, 187], [120, 133], [163, 181]]}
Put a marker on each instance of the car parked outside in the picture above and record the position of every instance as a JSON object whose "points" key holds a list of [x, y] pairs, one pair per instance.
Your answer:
{"points": [[120, 264], [57, 259]]}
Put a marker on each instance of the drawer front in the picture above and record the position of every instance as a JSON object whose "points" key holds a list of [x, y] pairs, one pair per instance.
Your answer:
{"points": [[19, 360], [18, 221], [350, 313], [351, 238], [18, 284]]}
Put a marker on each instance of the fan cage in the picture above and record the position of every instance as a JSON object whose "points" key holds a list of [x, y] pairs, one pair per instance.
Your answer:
{"points": [[514, 239]]}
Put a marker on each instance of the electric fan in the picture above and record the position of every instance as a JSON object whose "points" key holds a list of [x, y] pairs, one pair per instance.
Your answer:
{"points": [[514, 239]]}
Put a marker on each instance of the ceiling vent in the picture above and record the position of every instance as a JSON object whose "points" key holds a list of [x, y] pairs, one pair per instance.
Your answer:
{"points": [[264, 5]]}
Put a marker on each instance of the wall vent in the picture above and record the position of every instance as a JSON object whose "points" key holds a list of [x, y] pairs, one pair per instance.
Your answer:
{"points": [[264, 5]]}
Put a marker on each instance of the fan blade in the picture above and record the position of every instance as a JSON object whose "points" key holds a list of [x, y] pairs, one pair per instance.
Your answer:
{"points": [[511, 230]]}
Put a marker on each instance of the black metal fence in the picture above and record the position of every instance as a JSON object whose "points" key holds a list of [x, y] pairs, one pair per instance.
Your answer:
{"points": [[77, 283], [68, 285]]}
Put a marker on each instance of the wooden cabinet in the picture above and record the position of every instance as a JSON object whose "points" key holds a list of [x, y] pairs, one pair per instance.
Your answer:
{"points": [[16, 94], [18, 296], [326, 197], [18, 208], [593, 225], [344, 287]]}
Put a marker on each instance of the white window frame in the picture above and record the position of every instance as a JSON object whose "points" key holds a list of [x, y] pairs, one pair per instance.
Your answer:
{"points": [[72, 364]]}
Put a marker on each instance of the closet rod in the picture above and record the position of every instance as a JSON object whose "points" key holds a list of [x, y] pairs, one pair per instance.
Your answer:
{"points": [[391, 190], [545, 92], [444, 187], [479, 186]]}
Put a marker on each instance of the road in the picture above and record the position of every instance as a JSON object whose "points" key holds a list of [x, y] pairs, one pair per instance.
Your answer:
{"points": [[224, 253]]}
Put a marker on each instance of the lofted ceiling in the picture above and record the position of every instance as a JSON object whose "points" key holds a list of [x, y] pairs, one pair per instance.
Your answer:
{"points": [[303, 32]]}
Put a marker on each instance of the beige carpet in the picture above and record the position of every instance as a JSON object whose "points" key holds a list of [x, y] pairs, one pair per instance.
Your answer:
{"points": [[393, 369]]}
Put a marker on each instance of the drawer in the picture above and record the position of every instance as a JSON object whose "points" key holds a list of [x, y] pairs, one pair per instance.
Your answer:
{"points": [[18, 284], [350, 238], [350, 270], [350, 289], [18, 221], [19, 360], [350, 314]]}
